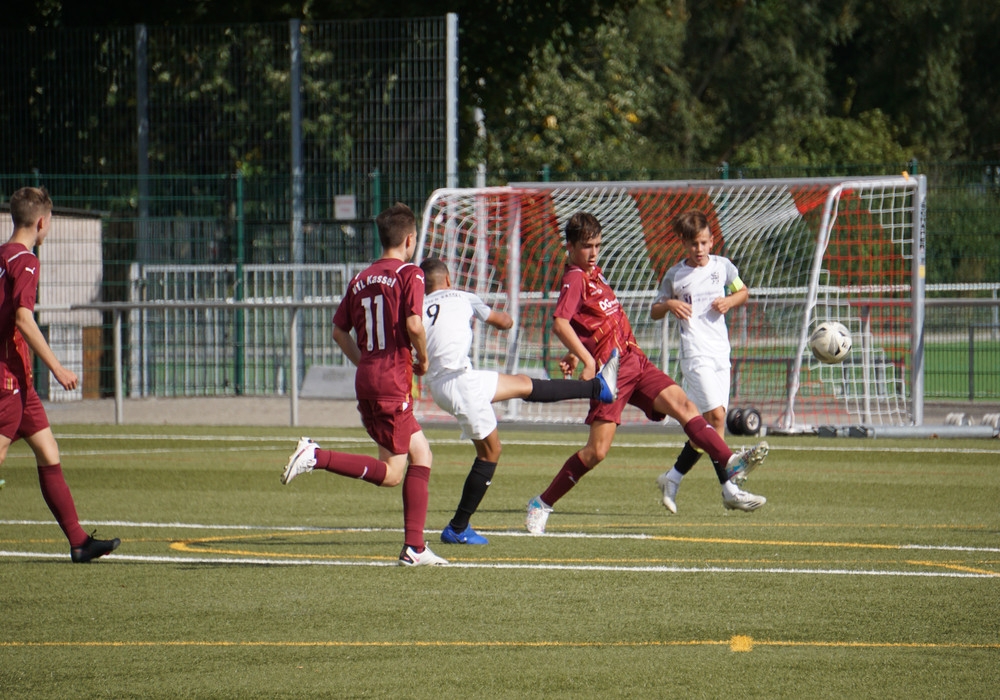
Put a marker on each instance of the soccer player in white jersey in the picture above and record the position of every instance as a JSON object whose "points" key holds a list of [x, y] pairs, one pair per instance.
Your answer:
{"points": [[468, 393], [699, 291]]}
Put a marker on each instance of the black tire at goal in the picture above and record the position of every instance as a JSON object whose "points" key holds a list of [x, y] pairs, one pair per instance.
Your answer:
{"points": [[751, 421], [734, 421]]}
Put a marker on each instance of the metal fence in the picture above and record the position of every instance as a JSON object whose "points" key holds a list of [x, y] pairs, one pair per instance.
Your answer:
{"points": [[256, 143], [195, 352], [349, 97], [182, 339]]}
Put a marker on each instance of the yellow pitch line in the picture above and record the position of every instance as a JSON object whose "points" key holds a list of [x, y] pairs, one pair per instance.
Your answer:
{"points": [[736, 643], [954, 567], [184, 547], [775, 543], [661, 538]]}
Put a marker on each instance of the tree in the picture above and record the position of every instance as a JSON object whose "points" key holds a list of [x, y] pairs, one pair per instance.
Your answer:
{"points": [[823, 141], [580, 108], [906, 59]]}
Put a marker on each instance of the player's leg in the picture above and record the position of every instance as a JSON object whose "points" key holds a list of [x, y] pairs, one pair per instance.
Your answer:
{"points": [[602, 433], [703, 387], [466, 396], [477, 482], [415, 551], [378, 418], [59, 499], [34, 426], [674, 402], [308, 456], [603, 387], [670, 480]]}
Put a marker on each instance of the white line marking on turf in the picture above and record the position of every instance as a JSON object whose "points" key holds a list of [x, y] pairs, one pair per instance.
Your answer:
{"points": [[867, 446], [204, 526], [492, 533], [502, 565]]}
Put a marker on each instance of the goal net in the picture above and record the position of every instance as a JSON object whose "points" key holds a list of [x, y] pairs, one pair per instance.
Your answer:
{"points": [[810, 250]]}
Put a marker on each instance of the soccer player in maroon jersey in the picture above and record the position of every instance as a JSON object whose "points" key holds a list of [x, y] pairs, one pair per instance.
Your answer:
{"points": [[384, 308], [21, 412], [590, 322]]}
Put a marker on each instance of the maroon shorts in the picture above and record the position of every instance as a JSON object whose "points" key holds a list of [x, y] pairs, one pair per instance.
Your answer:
{"points": [[21, 414], [639, 383], [390, 422]]}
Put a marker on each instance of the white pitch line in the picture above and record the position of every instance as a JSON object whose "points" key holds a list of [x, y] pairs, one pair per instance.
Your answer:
{"points": [[491, 533], [205, 526], [507, 565], [866, 446]]}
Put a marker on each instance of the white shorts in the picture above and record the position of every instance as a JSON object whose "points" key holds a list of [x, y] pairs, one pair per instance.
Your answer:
{"points": [[468, 396], [707, 382]]}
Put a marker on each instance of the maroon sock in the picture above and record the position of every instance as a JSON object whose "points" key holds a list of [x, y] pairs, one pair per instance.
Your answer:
{"points": [[355, 466], [704, 436], [415, 505], [572, 471], [60, 502]]}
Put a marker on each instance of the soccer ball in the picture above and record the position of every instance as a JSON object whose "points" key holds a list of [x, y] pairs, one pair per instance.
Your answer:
{"points": [[830, 342]]}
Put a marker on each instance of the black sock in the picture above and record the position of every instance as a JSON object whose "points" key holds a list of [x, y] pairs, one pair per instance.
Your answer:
{"points": [[551, 390], [687, 458], [473, 492]]}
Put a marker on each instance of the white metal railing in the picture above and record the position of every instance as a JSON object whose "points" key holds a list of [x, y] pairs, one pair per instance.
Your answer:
{"points": [[119, 308]]}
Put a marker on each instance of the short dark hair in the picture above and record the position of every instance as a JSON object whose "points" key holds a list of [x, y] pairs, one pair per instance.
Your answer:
{"points": [[435, 273], [688, 225], [28, 205], [394, 223], [582, 227]]}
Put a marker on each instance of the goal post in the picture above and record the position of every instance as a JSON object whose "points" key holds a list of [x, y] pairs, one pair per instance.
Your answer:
{"points": [[810, 250]]}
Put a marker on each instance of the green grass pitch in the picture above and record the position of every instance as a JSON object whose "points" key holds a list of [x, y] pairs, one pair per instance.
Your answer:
{"points": [[873, 571]]}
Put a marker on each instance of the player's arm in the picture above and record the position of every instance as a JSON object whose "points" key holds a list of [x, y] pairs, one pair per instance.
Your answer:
{"points": [[564, 331], [501, 320], [666, 302], [24, 319], [731, 301], [348, 344], [662, 307], [418, 339]]}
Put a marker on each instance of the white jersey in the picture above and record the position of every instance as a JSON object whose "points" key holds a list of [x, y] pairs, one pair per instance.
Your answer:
{"points": [[705, 334], [448, 315]]}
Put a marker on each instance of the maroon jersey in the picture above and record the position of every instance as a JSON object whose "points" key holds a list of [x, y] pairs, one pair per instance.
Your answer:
{"points": [[594, 312], [18, 288], [376, 306]]}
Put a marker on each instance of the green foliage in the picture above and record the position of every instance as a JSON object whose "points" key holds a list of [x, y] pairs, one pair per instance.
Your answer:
{"points": [[581, 106], [822, 140]]}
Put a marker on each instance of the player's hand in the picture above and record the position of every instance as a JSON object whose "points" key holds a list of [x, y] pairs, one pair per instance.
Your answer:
{"points": [[568, 364], [420, 366], [722, 304], [67, 379], [681, 310]]}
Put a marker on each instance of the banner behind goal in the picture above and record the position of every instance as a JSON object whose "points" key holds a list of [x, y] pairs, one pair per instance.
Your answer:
{"points": [[810, 250]]}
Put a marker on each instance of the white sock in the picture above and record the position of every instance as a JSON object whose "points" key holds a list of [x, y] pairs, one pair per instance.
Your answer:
{"points": [[730, 489], [674, 475]]}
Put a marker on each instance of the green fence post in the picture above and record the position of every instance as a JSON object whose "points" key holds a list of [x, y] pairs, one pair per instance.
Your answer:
{"points": [[239, 292], [972, 362], [376, 208]]}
